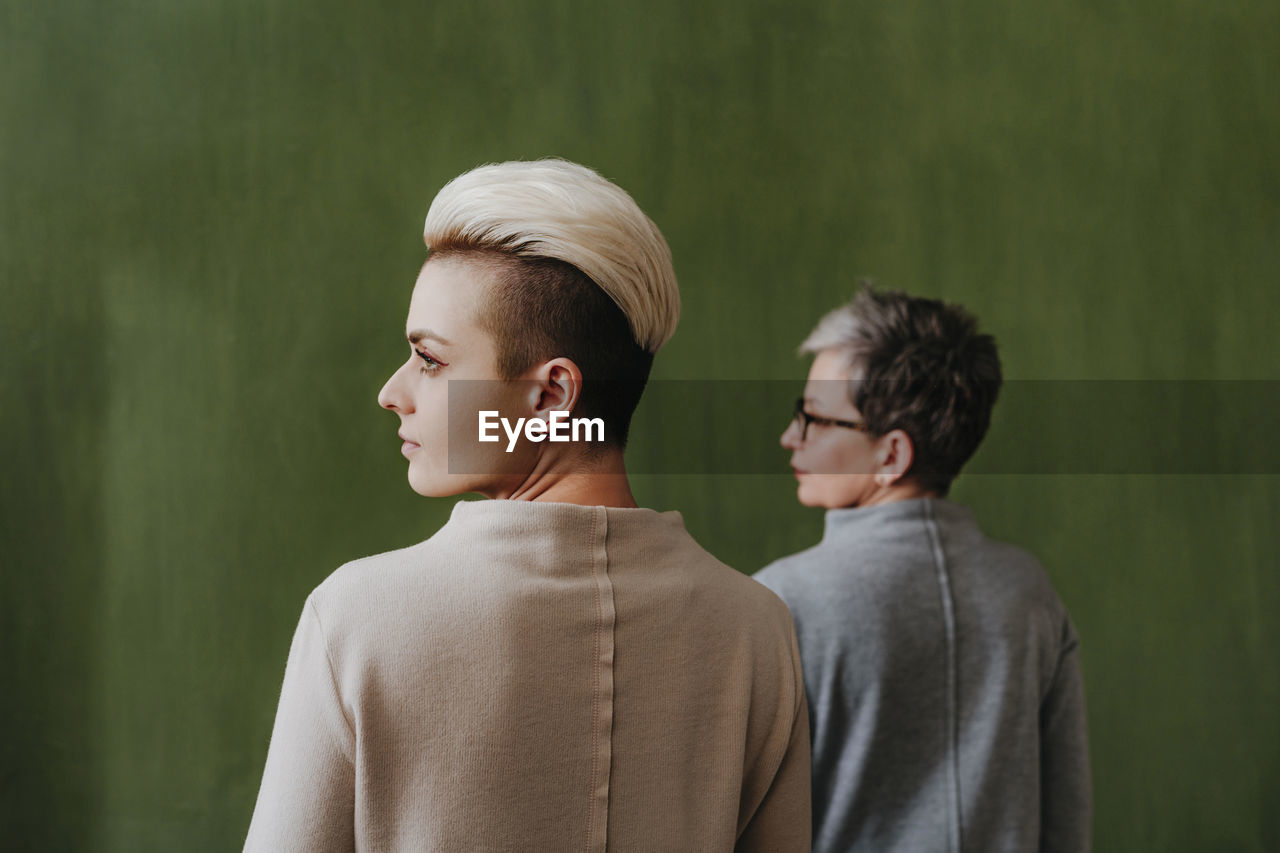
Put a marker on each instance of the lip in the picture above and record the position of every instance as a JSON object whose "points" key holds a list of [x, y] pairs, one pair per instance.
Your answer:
{"points": [[798, 472], [408, 446]]}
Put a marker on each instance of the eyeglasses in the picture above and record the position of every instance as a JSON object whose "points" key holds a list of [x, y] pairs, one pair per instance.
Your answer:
{"points": [[804, 420]]}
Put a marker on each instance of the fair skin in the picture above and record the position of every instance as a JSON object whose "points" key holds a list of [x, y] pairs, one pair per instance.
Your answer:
{"points": [[447, 344], [838, 467]]}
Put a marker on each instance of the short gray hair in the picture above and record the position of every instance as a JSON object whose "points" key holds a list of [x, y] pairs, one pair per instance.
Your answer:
{"points": [[918, 365]]}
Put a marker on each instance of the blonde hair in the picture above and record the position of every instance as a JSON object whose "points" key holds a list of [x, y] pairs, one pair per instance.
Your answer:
{"points": [[562, 211]]}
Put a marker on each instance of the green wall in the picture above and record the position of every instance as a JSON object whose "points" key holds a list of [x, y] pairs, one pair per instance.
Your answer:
{"points": [[209, 228]]}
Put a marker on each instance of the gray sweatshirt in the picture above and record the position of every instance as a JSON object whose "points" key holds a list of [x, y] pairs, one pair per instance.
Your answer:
{"points": [[943, 679]]}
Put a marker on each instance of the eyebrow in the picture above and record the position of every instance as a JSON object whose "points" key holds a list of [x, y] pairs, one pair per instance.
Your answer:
{"points": [[417, 335]]}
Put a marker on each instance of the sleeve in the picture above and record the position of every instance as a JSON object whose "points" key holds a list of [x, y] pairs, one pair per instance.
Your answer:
{"points": [[783, 823], [1066, 806], [307, 798]]}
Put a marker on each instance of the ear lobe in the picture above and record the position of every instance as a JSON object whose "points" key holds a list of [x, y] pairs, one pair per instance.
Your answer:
{"points": [[899, 454]]}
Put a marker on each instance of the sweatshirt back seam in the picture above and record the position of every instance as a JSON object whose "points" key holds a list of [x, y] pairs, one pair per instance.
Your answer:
{"points": [[955, 829], [602, 701]]}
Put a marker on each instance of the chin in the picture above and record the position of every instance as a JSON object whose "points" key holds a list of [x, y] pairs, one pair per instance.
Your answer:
{"points": [[805, 497], [433, 491], [429, 490], [440, 484], [808, 494], [435, 485]]}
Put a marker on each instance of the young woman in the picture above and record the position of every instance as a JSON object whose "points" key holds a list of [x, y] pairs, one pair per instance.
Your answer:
{"points": [[942, 671], [554, 669]]}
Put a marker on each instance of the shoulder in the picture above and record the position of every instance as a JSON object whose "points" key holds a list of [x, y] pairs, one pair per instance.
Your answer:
{"points": [[793, 577], [370, 608], [368, 592], [366, 575], [724, 599], [1001, 568], [1015, 572], [1007, 592], [738, 605], [1016, 600], [753, 599]]}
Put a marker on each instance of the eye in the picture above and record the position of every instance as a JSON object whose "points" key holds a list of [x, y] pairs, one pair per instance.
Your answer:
{"points": [[430, 365]]}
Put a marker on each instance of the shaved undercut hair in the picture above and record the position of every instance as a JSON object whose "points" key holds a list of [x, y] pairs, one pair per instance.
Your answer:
{"points": [[579, 272]]}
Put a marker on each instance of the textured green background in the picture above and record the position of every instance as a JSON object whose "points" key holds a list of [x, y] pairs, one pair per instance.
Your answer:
{"points": [[210, 225]]}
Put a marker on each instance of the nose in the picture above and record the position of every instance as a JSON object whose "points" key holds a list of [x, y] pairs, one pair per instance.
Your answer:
{"points": [[393, 396], [790, 438]]}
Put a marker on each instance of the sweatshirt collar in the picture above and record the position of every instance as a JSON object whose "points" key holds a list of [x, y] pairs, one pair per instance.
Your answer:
{"points": [[868, 521], [522, 516]]}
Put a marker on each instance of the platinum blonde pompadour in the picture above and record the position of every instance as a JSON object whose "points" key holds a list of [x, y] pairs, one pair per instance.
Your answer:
{"points": [[556, 209]]}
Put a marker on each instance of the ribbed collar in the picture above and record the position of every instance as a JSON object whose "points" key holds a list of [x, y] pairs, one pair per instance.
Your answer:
{"points": [[842, 525], [517, 517], [559, 539]]}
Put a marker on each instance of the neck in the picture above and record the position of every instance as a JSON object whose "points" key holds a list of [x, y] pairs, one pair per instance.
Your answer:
{"points": [[597, 481], [899, 491]]}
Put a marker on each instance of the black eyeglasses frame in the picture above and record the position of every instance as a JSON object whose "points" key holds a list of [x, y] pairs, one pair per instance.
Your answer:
{"points": [[804, 420]]}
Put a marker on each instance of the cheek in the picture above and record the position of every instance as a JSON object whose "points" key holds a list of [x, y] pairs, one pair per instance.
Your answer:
{"points": [[452, 459], [429, 427], [825, 456]]}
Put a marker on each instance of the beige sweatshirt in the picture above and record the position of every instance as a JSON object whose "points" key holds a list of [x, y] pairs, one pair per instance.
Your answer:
{"points": [[540, 677]]}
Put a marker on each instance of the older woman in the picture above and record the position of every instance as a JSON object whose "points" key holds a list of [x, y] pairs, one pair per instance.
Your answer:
{"points": [[554, 669], [942, 671]]}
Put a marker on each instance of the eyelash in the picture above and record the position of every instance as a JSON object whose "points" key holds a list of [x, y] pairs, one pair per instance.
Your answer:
{"points": [[430, 365]]}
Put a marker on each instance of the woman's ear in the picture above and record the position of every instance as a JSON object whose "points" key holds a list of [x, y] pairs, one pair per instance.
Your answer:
{"points": [[894, 455], [555, 385]]}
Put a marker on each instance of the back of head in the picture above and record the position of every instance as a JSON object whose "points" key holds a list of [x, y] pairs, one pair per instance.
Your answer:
{"points": [[580, 272], [918, 365]]}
